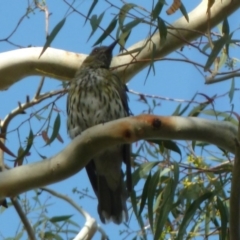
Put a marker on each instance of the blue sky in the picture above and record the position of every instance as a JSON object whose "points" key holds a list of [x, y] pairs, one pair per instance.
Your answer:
{"points": [[172, 80]]}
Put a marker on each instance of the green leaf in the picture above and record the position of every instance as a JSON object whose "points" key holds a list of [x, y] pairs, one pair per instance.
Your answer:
{"points": [[157, 9], [172, 146], [51, 236], [123, 12], [225, 27], [123, 38], [188, 105], [218, 45], [223, 58], [139, 218], [91, 9], [224, 218], [184, 11], [107, 32], [151, 195], [60, 218], [52, 35], [6, 150], [162, 31], [176, 111], [190, 213], [167, 202], [198, 109], [232, 90], [145, 193], [95, 22], [151, 65], [167, 144], [129, 26], [142, 171], [56, 127], [28, 147]]}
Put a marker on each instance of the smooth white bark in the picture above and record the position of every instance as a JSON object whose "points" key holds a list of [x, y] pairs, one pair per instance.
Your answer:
{"points": [[94, 140], [62, 65]]}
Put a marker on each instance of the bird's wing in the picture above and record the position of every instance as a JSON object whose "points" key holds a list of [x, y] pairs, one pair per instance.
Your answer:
{"points": [[122, 91]]}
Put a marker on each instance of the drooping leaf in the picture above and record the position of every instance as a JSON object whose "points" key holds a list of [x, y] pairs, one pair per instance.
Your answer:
{"points": [[139, 217], [91, 9], [142, 171], [59, 138], [56, 127], [157, 9], [225, 27], [52, 35], [168, 144], [129, 26], [95, 22], [50, 235], [28, 147], [191, 210], [151, 195], [167, 202], [60, 218], [123, 38], [162, 31], [176, 111], [187, 106], [123, 12], [198, 109], [232, 90], [145, 193], [19, 160], [45, 136], [224, 218], [218, 45], [184, 12], [6, 150], [151, 65], [107, 32], [171, 145]]}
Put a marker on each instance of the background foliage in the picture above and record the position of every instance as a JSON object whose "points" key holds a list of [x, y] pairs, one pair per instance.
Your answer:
{"points": [[181, 187]]}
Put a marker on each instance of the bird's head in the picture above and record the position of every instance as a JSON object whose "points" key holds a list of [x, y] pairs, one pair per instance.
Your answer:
{"points": [[100, 57]]}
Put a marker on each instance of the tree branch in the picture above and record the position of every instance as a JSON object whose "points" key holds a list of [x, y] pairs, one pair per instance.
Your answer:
{"points": [[62, 65], [94, 140], [90, 227], [22, 215], [235, 193]]}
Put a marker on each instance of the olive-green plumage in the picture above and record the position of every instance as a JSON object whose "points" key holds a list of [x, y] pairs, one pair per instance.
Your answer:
{"points": [[97, 96]]}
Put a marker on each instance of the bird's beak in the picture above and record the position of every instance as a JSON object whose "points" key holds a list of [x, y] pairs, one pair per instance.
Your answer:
{"points": [[111, 47]]}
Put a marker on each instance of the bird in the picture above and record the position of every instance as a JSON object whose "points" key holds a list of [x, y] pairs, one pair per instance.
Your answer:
{"points": [[96, 96]]}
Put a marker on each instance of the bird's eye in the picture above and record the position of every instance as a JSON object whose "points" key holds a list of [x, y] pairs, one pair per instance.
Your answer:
{"points": [[95, 50]]}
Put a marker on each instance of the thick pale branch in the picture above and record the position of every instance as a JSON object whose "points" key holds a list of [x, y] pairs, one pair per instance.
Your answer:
{"points": [[62, 65], [21, 63], [94, 140]]}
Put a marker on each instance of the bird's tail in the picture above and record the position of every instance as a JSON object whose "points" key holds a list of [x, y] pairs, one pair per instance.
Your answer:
{"points": [[112, 204]]}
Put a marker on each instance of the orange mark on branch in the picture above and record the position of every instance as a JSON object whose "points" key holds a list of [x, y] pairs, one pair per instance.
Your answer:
{"points": [[156, 123], [127, 133]]}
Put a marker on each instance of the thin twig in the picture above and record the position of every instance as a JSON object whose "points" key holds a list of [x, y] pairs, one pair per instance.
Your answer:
{"points": [[26, 223], [162, 98], [26, 105], [89, 219], [85, 214], [39, 89]]}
